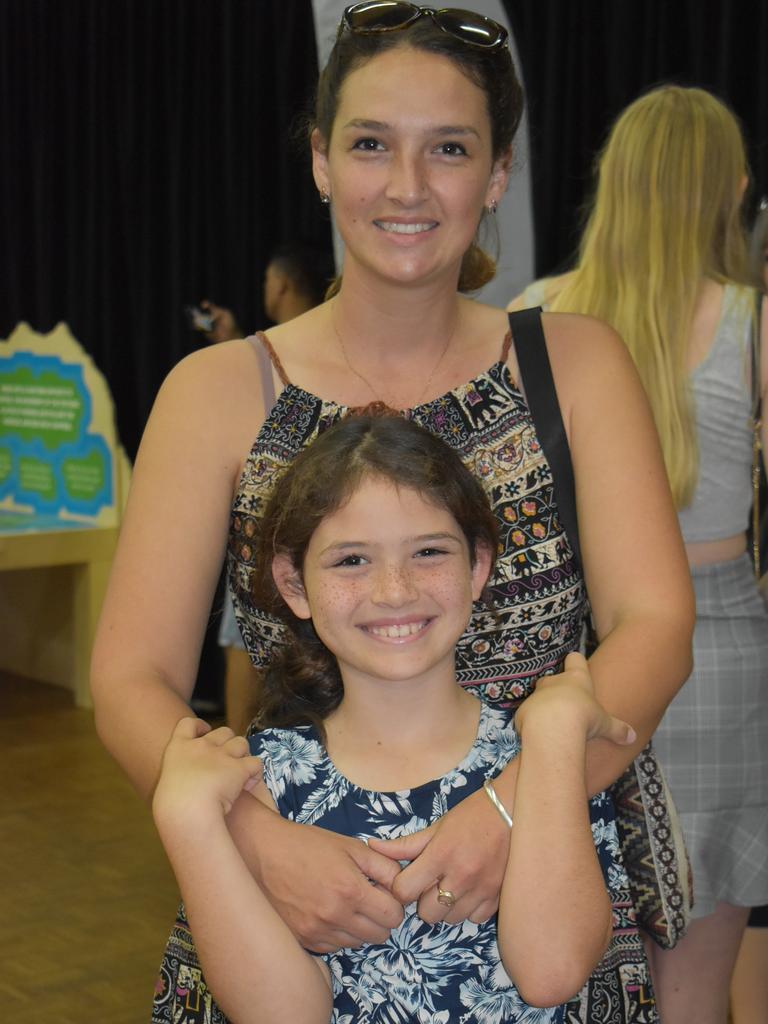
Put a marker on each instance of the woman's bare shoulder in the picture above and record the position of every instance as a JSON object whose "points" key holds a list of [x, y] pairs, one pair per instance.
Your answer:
{"points": [[214, 392], [218, 370], [581, 338], [302, 333], [589, 360]]}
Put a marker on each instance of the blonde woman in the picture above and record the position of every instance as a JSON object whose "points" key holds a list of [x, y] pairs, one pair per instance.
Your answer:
{"points": [[749, 985], [664, 261]]}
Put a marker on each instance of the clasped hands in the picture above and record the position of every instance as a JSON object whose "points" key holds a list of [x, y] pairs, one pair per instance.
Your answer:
{"points": [[334, 891]]}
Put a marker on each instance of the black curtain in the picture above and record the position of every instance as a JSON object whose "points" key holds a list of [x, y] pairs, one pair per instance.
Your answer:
{"points": [[146, 165], [585, 60], [147, 159]]}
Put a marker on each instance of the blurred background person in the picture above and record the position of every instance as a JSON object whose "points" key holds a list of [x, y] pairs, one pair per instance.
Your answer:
{"points": [[295, 280], [663, 259]]}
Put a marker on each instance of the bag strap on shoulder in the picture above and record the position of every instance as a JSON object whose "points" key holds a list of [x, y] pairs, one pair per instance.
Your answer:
{"points": [[539, 388]]}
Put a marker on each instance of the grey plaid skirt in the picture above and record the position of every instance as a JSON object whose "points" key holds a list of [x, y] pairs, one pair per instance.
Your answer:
{"points": [[713, 741]]}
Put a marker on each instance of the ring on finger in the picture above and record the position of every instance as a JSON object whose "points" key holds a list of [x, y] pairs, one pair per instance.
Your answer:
{"points": [[446, 898]]}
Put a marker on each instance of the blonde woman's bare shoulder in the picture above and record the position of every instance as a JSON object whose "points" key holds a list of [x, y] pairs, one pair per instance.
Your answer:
{"points": [[542, 292]]}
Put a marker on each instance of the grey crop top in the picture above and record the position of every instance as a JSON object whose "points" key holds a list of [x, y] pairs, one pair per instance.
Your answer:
{"points": [[723, 403], [721, 392]]}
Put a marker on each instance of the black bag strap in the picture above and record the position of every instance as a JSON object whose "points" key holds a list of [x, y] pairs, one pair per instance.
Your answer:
{"points": [[539, 388], [757, 400], [758, 474]]}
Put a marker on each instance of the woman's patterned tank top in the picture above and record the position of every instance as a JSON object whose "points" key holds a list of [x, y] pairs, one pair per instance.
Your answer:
{"points": [[537, 589]]}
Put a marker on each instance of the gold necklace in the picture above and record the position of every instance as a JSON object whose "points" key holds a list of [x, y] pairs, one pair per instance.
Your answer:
{"points": [[379, 401]]}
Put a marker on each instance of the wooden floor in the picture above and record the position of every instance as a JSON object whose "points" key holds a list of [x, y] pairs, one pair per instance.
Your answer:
{"points": [[86, 896]]}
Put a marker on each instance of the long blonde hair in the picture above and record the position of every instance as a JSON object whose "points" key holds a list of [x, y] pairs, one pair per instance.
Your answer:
{"points": [[667, 213]]}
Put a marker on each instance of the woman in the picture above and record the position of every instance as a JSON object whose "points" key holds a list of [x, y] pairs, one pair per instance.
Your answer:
{"points": [[412, 145], [663, 259]]}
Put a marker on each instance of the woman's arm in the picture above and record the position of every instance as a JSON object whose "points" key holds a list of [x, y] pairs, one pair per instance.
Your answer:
{"points": [[635, 566], [639, 585], [539, 293], [147, 649], [170, 555], [255, 968]]}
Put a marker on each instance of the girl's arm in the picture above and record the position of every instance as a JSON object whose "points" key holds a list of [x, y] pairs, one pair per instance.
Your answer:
{"points": [[255, 968], [555, 912], [639, 586]]}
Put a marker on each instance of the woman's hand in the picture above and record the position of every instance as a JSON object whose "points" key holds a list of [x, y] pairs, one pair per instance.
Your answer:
{"points": [[332, 891], [571, 692], [465, 853], [204, 771]]}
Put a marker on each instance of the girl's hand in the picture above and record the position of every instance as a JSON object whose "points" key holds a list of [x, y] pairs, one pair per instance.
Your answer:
{"points": [[568, 698], [467, 848], [203, 771]]}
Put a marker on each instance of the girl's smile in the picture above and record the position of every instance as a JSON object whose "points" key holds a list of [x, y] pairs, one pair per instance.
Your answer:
{"points": [[397, 631], [388, 583]]}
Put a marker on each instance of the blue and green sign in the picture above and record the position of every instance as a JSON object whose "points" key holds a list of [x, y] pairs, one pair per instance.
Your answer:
{"points": [[48, 459]]}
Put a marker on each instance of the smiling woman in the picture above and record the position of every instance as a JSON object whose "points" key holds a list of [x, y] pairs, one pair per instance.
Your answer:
{"points": [[408, 190], [412, 144]]}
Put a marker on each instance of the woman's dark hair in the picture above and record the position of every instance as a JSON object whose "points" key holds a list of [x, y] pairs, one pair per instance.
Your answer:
{"points": [[493, 72], [303, 683]]}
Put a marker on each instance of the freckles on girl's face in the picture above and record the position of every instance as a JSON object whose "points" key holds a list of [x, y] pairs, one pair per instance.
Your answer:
{"points": [[389, 583]]}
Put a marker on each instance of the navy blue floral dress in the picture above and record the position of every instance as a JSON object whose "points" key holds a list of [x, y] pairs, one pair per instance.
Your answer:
{"points": [[422, 974]]}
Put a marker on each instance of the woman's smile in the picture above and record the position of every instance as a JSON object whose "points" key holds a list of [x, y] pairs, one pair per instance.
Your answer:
{"points": [[399, 227], [408, 187]]}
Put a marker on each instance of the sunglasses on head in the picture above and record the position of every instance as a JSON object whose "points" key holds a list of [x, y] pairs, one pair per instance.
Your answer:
{"points": [[374, 16]]}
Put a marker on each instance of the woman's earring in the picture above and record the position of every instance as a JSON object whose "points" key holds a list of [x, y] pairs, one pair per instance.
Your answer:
{"points": [[324, 197], [493, 206]]}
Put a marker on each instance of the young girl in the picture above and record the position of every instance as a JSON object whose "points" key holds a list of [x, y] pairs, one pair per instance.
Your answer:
{"points": [[375, 544]]}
